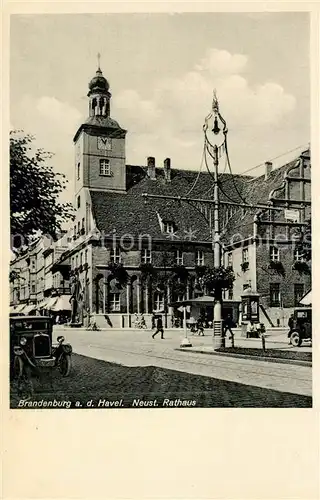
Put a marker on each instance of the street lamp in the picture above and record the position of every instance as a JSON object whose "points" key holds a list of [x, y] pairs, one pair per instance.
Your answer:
{"points": [[215, 150]]}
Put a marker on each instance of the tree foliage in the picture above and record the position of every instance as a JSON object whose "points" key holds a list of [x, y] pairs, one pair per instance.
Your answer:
{"points": [[34, 190], [217, 279]]}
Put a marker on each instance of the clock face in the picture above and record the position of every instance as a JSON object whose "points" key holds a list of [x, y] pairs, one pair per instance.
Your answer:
{"points": [[104, 143]]}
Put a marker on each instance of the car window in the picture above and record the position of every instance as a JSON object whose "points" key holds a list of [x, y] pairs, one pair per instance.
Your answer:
{"points": [[26, 326]]}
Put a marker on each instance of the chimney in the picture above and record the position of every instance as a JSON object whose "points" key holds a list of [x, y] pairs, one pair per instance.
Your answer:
{"points": [[167, 169], [151, 162], [268, 169]]}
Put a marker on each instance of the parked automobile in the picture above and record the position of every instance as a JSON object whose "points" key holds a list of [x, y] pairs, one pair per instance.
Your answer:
{"points": [[301, 326], [31, 347]]}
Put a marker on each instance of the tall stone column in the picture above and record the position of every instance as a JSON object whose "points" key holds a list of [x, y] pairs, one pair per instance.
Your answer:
{"points": [[128, 303], [138, 285], [146, 296]]}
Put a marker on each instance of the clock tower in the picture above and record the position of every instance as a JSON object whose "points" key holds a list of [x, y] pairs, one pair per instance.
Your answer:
{"points": [[100, 162]]}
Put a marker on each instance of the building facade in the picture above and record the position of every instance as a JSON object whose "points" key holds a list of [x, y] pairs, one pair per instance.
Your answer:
{"points": [[127, 254], [261, 245]]}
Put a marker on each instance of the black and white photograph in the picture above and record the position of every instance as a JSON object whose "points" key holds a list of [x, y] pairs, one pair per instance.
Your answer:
{"points": [[160, 211]]}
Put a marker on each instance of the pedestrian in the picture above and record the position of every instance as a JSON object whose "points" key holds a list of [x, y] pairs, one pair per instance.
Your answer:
{"points": [[153, 321], [159, 328], [291, 323], [227, 324], [143, 322], [200, 328], [251, 329]]}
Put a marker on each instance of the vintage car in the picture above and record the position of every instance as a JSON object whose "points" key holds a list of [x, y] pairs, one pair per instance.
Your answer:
{"points": [[31, 347], [301, 326]]}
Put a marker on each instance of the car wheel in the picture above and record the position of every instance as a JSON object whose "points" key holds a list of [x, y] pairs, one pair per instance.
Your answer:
{"points": [[64, 365], [295, 339], [17, 367], [22, 373]]}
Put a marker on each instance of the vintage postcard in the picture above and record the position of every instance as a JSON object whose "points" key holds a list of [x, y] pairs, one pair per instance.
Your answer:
{"points": [[160, 213]]}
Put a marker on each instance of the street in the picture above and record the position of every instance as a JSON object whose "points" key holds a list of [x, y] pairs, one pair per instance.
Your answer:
{"points": [[137, 348], [129, 369]]}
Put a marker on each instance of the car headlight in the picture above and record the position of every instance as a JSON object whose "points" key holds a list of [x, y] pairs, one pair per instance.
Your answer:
{"points": [[23, 341]]}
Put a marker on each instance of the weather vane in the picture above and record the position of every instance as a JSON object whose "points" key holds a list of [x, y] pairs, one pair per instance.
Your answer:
{"points": [[215, 104]]}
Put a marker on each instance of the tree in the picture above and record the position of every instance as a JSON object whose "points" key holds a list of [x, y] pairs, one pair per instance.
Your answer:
{"points": [[34, 192], [217, 279]]}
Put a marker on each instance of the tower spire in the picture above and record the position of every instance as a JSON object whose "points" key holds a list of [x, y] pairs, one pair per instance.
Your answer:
{"points": [[99, 56]]}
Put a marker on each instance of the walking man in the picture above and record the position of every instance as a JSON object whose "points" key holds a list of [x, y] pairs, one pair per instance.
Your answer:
{"points": [[228, 323], [159, 328]]}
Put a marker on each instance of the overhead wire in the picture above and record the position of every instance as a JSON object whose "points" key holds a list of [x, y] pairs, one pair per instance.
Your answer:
{"points": [[271, 159], [232, 175], [197, 178]]}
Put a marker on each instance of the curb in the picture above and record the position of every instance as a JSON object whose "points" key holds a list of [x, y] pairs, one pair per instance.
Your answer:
{"points": [[248, 356]]}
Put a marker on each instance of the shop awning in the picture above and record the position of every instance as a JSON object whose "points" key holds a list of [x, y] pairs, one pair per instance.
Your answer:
{"points": [[307, 299], [62, 304], [42, 304], [29, 308], [204, 300], [19, 308], [51, 302]]}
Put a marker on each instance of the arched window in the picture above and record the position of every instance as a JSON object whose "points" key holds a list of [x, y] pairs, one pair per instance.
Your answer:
{"points": [[101, 104], [94, 104], [78, 202]]}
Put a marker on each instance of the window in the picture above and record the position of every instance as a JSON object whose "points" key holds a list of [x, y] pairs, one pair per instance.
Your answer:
{"points": [[298, 257], [105, 167], [298, 293], [275, 295], [158, 301], [246, 285], [78, 227], [86, 256], [74, 232], [179, 258], [168, 227], [230, 260], [180, 297], [146, 256], [274, 254], [78, 171], [115, 255], [114, 302], [78, 202], [200, 258], [245, 255], [230, 294], [76, 260], [33, 287], [81, 258]]}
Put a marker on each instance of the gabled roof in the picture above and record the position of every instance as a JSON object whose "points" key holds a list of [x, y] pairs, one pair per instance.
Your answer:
{"points": [[130, 213], [255, 191]]}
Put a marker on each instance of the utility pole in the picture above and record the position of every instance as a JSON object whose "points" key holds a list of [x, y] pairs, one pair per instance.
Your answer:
{"points": [[218, 339], [215, 115], [214, 152]]}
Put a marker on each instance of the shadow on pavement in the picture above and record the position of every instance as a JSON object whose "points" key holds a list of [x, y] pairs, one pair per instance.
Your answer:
{"points": [[93, 379]]}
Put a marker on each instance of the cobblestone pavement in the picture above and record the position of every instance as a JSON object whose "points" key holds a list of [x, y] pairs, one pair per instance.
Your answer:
{"points": [[136, 348]]}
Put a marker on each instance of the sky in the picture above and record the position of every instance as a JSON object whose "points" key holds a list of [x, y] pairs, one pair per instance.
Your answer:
{"points": [[162, 69]]}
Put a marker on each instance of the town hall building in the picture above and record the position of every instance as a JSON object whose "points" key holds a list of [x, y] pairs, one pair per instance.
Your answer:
{"points": [[127, 254]]}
